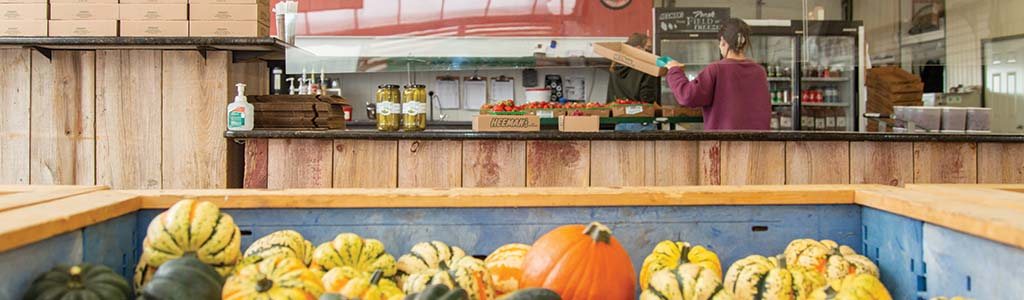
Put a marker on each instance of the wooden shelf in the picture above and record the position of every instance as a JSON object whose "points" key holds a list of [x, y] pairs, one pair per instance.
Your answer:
{"points": [[266, 48]]}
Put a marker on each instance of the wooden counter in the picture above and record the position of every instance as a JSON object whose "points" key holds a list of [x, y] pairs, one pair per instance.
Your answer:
{"points": [[459, 158]]}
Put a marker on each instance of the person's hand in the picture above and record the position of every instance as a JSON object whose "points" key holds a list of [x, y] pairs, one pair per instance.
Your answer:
{"points": [[674, 64]]}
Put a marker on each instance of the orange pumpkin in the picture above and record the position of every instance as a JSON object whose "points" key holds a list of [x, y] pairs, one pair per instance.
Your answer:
{"points": [[580, 262], [505, 266]]}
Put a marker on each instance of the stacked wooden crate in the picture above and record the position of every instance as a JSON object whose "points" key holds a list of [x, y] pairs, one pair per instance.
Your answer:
{"points": [[299, 112], [889, 87]]}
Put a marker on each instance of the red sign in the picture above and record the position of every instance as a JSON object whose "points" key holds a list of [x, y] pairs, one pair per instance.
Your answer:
{"points": [[569, 18]]}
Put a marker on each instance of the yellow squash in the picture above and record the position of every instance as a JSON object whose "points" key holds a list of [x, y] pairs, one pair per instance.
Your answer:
{"points": [[668, 255], [853, 287], [276, 278], [686, 282], [505, 265], [759, 277], [351, 250]]}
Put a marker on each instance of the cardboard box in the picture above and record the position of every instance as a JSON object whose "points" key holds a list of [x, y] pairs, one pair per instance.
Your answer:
{"points": [[87, 11], [153, 12], [153, 1], [228, 28], [679, 111], [603, 113], [506, 123], [630, 56], [230, 12], [83, 28], [23, 12], [154, 28], [634, 111], [22, 1], [81, 1], [23, 28], [224, 1], [579, 123]]}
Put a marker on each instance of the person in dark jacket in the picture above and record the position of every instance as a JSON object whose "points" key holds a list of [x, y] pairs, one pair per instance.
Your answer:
{"points": [[627, 83]]}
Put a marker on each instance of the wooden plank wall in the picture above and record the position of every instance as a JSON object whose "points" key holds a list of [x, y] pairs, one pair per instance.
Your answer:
{"points": [[473, 163], [128, 119]]}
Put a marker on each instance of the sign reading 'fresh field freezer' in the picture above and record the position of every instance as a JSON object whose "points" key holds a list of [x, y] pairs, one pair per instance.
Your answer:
{"points": [[690, 19]]}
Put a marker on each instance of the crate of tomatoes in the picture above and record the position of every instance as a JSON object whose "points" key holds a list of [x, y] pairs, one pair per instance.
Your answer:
{"points": [[588, 109], [633, 109], [506, 107], [544, 109]]}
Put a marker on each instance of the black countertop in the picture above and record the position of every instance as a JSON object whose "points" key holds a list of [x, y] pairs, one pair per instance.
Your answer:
{"points": [[462, 134]]}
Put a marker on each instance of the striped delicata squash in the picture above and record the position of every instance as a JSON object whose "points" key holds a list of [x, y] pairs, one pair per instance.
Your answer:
{"points": [[353, 251], [853, 287], [190, 227], [279, 277], [686, 282], [759, 277], [282, 243], [668, 255], [828, 258], [437, 263]]}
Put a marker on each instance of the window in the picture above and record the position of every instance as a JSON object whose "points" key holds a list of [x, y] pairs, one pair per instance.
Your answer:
{"points": [[1011, 83], [996, 85]]}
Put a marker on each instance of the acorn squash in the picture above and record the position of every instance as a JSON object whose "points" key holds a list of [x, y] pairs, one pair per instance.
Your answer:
{"points": [[686, 282], [759, 277], [284, 242], [360, 287], [669, 255], [828, 258], [191, 227], [505, 266], [465, 273], [185, 278], [79, 282], [275, 278], [351, 250], [853, 287]]}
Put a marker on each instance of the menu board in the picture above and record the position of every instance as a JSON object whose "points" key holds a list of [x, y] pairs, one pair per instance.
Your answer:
{"points": [[690, 19]]}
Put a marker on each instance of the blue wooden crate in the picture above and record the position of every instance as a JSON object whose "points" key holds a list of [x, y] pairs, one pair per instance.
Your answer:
{"points": [[917, 260]]}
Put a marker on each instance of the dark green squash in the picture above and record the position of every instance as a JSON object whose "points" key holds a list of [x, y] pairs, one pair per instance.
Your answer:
{"points": [[184, 278], [439, 292], [532, 294], [80, 282]]}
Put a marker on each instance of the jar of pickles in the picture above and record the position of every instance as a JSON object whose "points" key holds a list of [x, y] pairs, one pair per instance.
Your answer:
{"points": [[414, 108], [389, 107]]}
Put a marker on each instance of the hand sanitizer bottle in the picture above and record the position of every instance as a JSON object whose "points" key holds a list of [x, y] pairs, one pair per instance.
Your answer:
{"points": [[240, 112]]}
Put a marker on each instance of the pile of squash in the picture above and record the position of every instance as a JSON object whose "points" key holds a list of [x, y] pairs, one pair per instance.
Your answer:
{"points": [[193, 251]]}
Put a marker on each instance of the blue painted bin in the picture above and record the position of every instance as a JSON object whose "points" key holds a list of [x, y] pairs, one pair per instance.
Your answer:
{"points": [[918, 260]]}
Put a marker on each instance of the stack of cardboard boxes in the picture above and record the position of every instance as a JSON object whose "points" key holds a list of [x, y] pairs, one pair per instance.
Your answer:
{"points": [[137, 18], [229, 17], [23, 17]]}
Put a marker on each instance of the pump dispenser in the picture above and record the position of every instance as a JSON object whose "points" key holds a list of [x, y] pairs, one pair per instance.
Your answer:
{"points": [[240, 112]]}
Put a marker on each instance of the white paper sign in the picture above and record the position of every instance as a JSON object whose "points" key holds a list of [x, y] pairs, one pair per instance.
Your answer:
{"points": [[474, 93], [632, 110]]}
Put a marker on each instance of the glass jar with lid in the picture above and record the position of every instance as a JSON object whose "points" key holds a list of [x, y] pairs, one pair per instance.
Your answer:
{"points": [[414, 108], [389, 107]]}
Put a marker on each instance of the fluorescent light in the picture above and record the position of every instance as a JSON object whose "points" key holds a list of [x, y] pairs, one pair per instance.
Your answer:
{"points": [[1012, 61], [997, 62]]}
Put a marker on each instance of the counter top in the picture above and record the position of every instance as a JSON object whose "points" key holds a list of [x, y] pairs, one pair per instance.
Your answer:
{"points": [[615, 135]]}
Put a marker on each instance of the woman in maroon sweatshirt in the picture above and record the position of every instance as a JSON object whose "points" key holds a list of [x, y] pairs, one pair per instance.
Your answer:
{"points": [[733, 92]]}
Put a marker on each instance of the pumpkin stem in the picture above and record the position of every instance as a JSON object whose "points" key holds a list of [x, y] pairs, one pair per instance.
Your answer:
{"points": [[782, 261], [684, 254], [598, 232], [264, 285], [375, 278], [76, 276]]}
